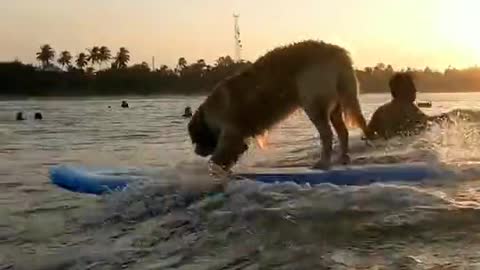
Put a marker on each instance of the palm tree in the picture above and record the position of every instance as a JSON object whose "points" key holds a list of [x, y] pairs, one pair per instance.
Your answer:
{"points": [[201, 63], [45, 55], [198, 68], [94, 55], [82, 60], [65, 59], [141, 67], [122, 58], [163, 68], [104, 54], [182, 64], [379, 67], [89, 71], [202, 66], [224, 61]]}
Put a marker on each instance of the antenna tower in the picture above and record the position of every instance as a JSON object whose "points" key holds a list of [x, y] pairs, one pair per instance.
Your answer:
{"points": [[238, 42]]}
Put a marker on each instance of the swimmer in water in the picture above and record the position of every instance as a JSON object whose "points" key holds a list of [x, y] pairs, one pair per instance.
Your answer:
{"points": [[19, 116], [400, 116], [188, 112]]}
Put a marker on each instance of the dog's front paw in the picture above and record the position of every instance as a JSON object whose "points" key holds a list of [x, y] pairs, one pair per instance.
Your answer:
{"points": [[218, 172], [322, 165]]}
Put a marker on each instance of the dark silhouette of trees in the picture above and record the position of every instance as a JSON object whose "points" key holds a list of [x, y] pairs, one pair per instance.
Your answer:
{"points": [[18, 79], [90, 71], [104, 54], [141, 67], [164, 69], [379, 67], [389, 70], [94, 55], [65, 59], [122, 58], [224, 61], [45, 55], [82, 60], [181, 65]]}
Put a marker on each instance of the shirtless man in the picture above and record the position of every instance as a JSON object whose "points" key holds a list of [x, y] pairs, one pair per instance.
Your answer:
{"points": [[400, 116]]}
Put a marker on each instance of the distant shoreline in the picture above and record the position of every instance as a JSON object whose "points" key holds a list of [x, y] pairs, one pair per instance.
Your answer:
{"points": [[166, 95], [21, 81], [67, 97]]}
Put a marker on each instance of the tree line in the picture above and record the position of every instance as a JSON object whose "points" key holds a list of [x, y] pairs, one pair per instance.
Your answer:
{"points": [[97, 72]]}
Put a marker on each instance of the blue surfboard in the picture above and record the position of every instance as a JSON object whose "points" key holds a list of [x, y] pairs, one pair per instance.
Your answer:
{"points": [[83, 180]]}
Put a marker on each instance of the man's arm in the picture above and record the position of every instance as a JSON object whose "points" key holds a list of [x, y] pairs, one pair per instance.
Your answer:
{"points": [[444, 117], [375, 125], [435, 118], [419, 115]]}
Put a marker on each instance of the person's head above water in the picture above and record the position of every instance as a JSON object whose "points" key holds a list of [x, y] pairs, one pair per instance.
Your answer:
{"points": [[402, 87], [187, 112], [19, 116]]}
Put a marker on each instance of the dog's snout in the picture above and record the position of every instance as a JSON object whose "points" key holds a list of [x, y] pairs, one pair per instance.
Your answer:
{"points": [[201, 151]]}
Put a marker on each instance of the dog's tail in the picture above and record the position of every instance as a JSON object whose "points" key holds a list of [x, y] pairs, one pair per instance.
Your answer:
{"points": [[348, 92]]}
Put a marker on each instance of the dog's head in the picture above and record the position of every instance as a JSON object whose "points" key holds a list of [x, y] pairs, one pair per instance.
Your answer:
{"points": [[202, 136]]}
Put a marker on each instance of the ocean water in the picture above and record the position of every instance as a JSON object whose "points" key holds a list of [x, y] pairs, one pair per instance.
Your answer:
{"points": [[160, 225]]}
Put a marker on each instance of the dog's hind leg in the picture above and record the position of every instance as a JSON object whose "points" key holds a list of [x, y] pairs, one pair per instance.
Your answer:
{"points": [[342, 134], [318, 97], [319, 116], [326, 137]]}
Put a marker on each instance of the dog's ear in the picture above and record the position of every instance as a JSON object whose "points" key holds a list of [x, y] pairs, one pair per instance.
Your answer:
{"points": [[200, 133], [195, 126]]}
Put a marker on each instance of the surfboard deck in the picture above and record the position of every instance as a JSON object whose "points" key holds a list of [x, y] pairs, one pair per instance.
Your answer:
{"points": [[94, 181]]}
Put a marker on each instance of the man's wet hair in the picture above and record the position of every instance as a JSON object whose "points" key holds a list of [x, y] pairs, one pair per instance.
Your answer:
{"points": [[399, 79]]}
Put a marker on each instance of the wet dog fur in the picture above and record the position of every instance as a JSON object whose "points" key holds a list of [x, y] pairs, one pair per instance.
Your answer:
{"points": [[315, 76]]}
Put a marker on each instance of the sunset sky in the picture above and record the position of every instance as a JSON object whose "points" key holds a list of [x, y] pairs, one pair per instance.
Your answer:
{"points": [[404, 33]]}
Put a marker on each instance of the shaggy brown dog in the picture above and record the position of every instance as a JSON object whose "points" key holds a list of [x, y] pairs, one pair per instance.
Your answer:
{"points": [[315, 76]]}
